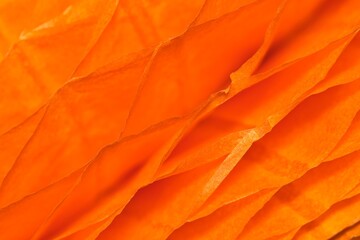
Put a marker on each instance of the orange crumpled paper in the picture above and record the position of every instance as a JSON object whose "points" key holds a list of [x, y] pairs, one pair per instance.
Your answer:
{"points": [[201, 119]]}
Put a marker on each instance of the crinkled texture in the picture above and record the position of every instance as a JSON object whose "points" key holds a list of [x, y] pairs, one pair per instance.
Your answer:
{"points": [[155, 119]]}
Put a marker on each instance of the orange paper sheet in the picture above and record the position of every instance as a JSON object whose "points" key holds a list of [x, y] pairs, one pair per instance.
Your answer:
{"points": [[195, 119]]}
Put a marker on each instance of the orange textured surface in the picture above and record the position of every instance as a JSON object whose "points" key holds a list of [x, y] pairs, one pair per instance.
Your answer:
{"points": [[191, 119]]}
